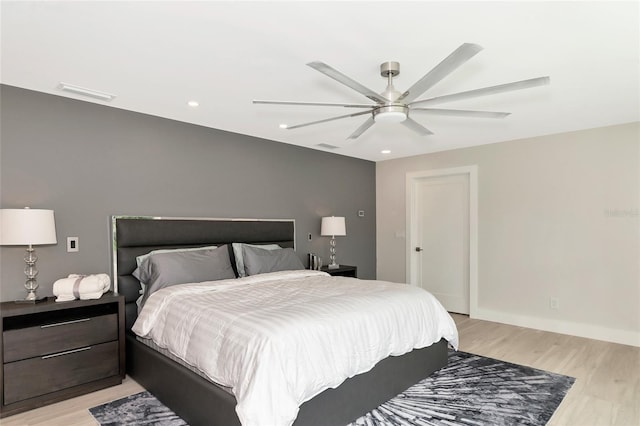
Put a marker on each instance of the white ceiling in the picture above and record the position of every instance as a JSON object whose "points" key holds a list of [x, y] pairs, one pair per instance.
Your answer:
{"points": [[156, 56]]}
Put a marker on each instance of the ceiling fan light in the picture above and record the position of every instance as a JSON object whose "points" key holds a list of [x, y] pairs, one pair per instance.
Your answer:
{"points": [[390, 117], [390, 114]]}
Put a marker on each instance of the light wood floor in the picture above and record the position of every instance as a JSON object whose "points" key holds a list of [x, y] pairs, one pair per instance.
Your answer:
{"points": [[606, 391]]}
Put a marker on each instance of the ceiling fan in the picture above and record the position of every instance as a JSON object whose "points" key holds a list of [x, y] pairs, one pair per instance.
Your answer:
{"points": [[397, 107]]}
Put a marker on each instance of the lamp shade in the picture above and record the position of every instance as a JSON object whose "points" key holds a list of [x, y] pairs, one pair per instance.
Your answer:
{"points": [[333, 226], [27, 227]]}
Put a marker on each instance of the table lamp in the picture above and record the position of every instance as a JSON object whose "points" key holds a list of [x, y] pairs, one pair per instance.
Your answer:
{"points": [[333, 226], [28, 227]]}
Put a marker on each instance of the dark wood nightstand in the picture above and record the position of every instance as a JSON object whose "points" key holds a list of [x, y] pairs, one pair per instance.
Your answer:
{"points": [[342, 271], [53, 351]]}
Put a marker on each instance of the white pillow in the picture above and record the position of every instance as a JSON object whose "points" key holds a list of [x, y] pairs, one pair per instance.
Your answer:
{"points": [[237, 252]]}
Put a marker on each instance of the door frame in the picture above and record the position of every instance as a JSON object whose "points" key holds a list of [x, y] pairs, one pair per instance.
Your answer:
{"points": [[412, 180]]}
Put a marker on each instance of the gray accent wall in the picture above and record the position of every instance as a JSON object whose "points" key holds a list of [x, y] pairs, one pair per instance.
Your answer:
{"points": [[88, 162]]}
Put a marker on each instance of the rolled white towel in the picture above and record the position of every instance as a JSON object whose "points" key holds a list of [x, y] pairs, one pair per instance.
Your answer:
{"points": [[81, 287]]}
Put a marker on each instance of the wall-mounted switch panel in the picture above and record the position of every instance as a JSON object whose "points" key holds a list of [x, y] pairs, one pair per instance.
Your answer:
{"points": [[72, 244]]}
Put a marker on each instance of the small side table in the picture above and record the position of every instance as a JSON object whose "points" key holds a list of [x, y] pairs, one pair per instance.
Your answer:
{"points": [[53, 351], [342, 271]]}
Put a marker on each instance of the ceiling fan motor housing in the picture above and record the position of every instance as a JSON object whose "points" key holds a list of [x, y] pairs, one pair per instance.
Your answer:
{"points": [[390, 112]]}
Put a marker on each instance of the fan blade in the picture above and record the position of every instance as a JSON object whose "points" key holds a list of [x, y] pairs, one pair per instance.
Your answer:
{"points": [[417, 127], [360, 130], [312, 104], [517, 85], [463, 113], [459, 56], [341, 78], [327, 119]]}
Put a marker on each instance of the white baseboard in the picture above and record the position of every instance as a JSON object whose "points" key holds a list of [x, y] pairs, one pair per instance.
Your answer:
{"points": [[563, 327]]}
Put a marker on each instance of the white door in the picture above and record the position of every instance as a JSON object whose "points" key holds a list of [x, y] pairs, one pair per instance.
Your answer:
{"points": [[441, 238]]}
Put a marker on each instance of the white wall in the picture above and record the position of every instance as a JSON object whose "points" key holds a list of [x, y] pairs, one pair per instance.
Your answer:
{"points": [[559, 216]]}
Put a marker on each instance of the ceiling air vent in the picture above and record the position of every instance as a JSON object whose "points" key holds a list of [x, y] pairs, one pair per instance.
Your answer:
{"points": [[86, 92], [326, 145]]}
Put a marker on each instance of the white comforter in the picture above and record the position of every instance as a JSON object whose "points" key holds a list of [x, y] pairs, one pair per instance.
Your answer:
{"points": [[281, 338]]}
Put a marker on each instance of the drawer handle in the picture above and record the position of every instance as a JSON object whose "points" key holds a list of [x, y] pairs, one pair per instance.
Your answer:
{"points": [[65, 323], [66, 352]]}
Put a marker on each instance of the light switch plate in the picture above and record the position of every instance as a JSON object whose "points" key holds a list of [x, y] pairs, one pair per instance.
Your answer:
{"points": [[72, 244]]}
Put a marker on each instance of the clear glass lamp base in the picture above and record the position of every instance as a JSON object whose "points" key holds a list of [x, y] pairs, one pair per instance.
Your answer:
{"points": [[30, 270], [332, 254], [31, 295]]}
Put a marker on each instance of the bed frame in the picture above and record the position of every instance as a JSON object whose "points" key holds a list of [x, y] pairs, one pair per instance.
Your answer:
{"points": [[199, 401]]}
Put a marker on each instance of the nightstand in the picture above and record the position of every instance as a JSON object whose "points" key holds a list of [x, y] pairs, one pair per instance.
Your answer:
{"points": [[342, 271], [52, 351]]}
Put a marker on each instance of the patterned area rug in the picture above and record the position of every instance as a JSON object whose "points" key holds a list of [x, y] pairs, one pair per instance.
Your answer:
{"points": [[139, 409], [470, 390], [475, 390]]}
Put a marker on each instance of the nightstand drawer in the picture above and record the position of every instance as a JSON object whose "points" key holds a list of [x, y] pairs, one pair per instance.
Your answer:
{"points": [[59, 336], [37, 376]]}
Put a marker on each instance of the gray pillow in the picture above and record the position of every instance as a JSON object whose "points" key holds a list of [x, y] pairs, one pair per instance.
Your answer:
{"points": [[167, 269], [237, 252], [260, 261], [142, 258]]}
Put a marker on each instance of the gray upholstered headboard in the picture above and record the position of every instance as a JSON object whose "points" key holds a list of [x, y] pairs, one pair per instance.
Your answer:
{"points": [[133, 236]]}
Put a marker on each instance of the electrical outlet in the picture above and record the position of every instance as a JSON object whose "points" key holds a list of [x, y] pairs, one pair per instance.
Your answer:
{"points": [[554, 303], [309, 238]]}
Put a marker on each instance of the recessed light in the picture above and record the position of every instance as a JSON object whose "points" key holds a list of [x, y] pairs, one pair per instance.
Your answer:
{"points": [[283, 126], [193, 104], [385, 151], [86, 92]]}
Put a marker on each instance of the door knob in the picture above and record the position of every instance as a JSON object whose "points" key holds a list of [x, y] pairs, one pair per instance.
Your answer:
{"points": [[418, 249]]}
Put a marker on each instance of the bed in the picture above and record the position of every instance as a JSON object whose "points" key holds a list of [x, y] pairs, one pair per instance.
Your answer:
{"points": [[196, 399]]}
